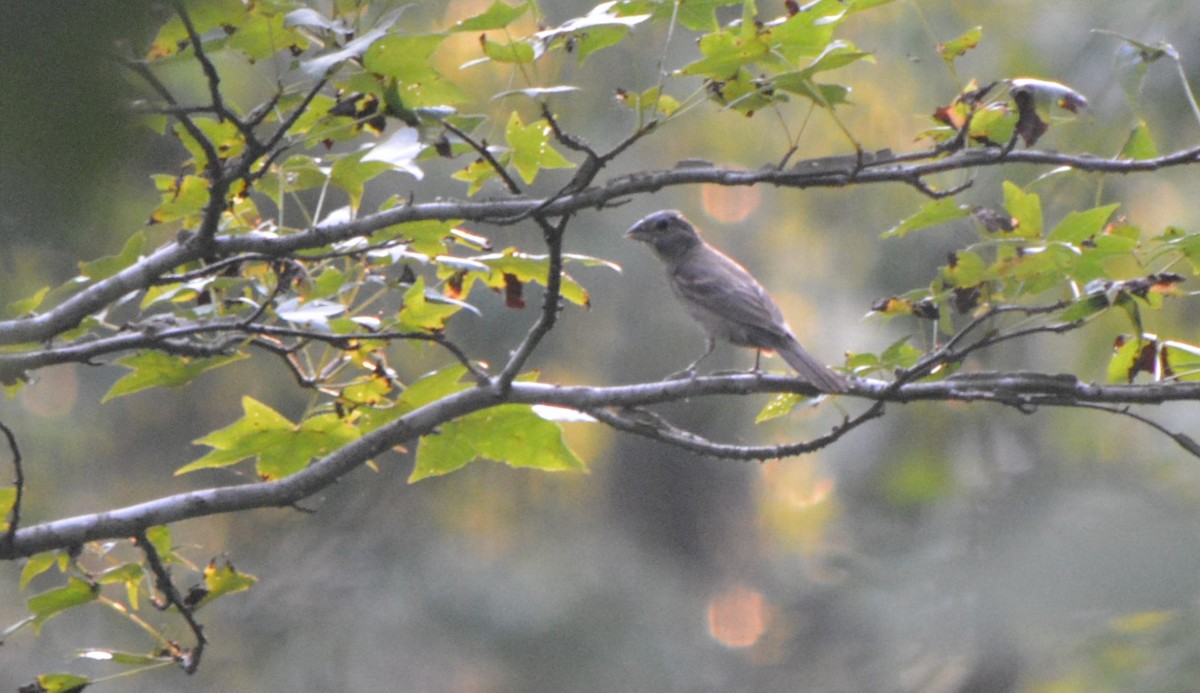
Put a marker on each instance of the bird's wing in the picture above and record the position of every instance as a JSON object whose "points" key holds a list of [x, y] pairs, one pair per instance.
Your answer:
{"points": [[722, 286]]}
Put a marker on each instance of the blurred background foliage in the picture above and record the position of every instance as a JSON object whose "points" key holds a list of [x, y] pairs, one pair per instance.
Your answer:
{"points": [[943, 547]]}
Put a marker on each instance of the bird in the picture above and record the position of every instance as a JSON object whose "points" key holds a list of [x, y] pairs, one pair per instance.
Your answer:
{"points": [[727, 301]]}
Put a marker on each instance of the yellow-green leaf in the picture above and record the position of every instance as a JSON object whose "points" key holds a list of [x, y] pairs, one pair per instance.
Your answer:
{"points": [[1025, 208], [26, 306], [50, 603], [514, 52], [531, 148], [497, 16], [930, 214], [8, 498], [156, 369], [36, 565], [280, 447], [1121, 365], [1077, 226], [509, 433], [181, 198], [780, 405], [108, 266], [62, 683], [951, 50], [404, 57], [1139, 145], [220, 580], [419, 314]]}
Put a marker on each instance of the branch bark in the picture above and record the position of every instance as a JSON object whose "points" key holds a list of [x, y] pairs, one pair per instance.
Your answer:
{"points": [[1024, 389]]}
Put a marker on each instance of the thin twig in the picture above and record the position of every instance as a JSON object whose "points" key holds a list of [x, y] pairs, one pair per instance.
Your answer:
{"points": [[1181, 439], [210, 151], [189, 660], [481, 149], [14, 515], [649, 425], [551, 304]]}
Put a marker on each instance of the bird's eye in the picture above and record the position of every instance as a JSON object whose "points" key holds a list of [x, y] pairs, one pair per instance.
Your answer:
{"points": [[661, 224]]}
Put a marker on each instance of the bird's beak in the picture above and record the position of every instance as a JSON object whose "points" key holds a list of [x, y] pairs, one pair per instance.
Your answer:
{"points": [[634, 232]]}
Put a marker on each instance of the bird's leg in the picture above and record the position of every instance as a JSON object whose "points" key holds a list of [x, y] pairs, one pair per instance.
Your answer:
{"points": [[690, 371], [757, 359]]}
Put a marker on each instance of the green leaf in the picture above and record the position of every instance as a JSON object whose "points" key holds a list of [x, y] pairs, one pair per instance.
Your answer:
{"points": [[50, 603], [428, 236], [508, 433], [352, 172], [952, 50], [432, 387], [156, 369], [264, 35], [1130, 62], [536, 268], [824, 95], [420, 314], [497, 16], [404, 57], [62, 683], [744, 93], [930, 214], [205, 16], [8, 499], [726, 52], [1025, 208], [860, 5], [537, 92], [512, 52], [780, 405], [1120, 366], [649, 100], [159, 537], [36, 565], [1084, 308], [25, 306], [297, 172], [900, 354], [220, 580], [968, 269], [399, 151], [126, 572], [696, 15], [807, 34], [836, 55], [433, 92], [100, 654], [108, 266], [182, 198], [1077, 226], [323, 65], [476, 173], [1139, 145], [531, 148], [994, 124], [602, 27], [280, 447]]}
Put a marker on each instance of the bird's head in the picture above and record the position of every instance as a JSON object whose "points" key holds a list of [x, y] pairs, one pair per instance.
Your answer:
{"points": [[668, 232]]}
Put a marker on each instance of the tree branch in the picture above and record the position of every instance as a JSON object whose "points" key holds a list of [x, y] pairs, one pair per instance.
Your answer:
{"points": [[1026, 389], [804, 175]]}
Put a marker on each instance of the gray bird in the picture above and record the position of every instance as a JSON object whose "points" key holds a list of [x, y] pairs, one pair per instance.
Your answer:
{"points": [[724, 298]]}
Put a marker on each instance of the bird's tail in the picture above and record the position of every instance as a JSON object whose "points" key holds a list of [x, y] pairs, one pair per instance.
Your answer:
{"points": [[808, 367]]}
